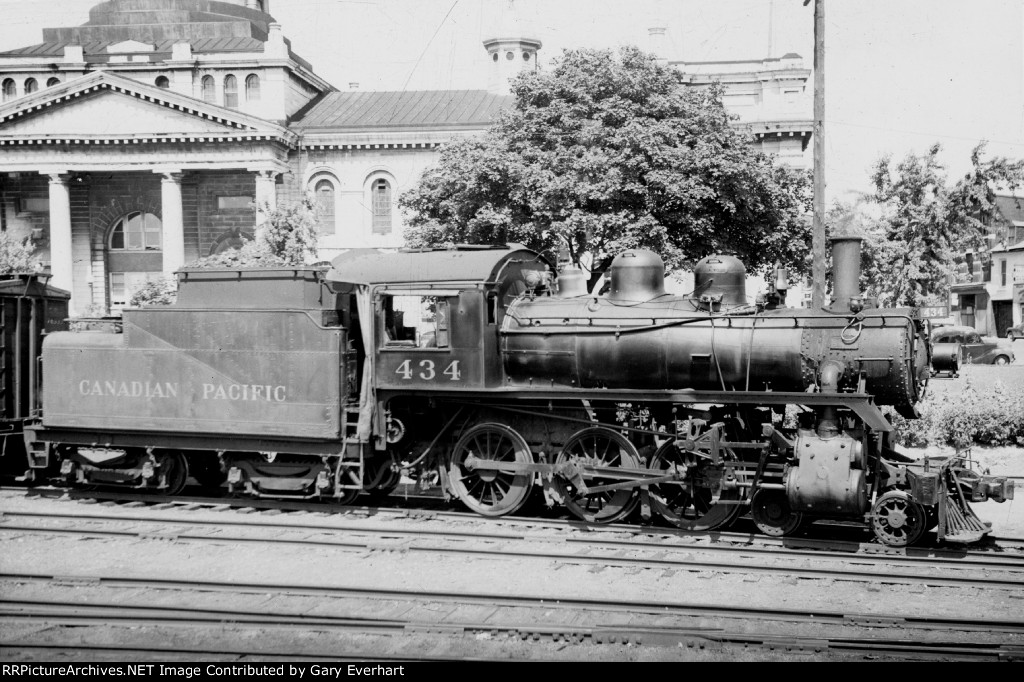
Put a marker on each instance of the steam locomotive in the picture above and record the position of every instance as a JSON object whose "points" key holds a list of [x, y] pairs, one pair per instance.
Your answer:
{"points": [[486, 372]]}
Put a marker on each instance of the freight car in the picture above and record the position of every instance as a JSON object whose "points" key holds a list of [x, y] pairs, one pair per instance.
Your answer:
{"points": [[30, 309], [485, 370]]}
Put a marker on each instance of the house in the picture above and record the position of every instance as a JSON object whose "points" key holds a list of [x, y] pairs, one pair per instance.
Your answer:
{"points": [[989, 293]]}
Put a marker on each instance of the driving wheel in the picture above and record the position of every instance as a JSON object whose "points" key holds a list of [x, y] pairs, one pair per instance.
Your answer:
{"points": [[490, 491], [598, 446]]}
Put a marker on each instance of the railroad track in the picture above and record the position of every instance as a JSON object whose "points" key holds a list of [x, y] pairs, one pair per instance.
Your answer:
{"points": [[432, 507], [117, 615], [481, 542], [578, 622]]}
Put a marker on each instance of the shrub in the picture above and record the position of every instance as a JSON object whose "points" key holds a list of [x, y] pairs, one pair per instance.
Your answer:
{"points": [[291, 231], [163, 291], [992, 416], [252, 254], [15, 254], [287, 237]]}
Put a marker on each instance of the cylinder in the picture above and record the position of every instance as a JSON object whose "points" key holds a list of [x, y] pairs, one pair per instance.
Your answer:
{"points": [[845, 271]]}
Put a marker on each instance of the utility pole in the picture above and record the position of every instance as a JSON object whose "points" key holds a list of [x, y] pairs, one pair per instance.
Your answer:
{"points": [[818, 224]]}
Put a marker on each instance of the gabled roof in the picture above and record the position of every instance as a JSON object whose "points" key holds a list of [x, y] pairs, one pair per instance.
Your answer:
{"points": [[191, 118], [419, 109]]}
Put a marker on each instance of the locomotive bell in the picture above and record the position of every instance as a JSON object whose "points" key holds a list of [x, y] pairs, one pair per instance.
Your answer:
{"points": [[724, 276], [637, 275]]}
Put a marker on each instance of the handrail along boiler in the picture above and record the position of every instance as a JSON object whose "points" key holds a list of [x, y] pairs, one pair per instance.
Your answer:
{"points": [[483, 368]]}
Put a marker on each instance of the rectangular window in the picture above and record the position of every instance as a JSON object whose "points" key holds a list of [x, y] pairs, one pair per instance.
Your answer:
{"points": [[33, 205], [415, 322], [124, 284], [325, 206], [1002, 272], [117, 297], [381, 207]]}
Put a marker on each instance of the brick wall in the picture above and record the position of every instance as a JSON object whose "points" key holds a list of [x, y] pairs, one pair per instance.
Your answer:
{"points": [[212, 221]]}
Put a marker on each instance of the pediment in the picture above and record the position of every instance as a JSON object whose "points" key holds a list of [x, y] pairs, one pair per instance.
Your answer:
{"points": [[105, 105], [130, 46], [110, 113]]}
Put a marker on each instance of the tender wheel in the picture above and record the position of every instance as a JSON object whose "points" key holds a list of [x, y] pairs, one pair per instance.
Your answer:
{"points": [[897, 520], [772, 514], [490, 492], [172, 472], [600, 447], [206, 471], [699, 501]]}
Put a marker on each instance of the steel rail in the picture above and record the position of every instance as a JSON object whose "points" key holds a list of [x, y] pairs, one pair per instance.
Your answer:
{"points": [[624, 606], [725, 543], [79, 615], [723, 540], [883, 571]]}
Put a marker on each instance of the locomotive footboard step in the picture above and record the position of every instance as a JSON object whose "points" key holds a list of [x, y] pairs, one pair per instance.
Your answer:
{"points": [[488, 372]]}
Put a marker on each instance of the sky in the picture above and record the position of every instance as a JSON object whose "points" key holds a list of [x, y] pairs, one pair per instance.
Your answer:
{"points": [[900, 75]]}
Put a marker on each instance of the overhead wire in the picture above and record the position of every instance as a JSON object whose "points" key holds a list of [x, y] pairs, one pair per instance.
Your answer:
{"points": [[427, 46]]}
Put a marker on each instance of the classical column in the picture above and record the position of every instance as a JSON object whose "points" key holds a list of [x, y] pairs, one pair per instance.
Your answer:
{"points": [[61, 260], [173, 222], [266, 194]]}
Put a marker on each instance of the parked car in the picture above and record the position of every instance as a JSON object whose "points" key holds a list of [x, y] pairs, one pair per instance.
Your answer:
{"points": [[973, 348], [1015, 332]]}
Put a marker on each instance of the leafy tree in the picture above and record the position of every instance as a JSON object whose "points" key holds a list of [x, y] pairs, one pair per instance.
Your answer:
{"points": [[972, 198], [15, 254], [288, 236], [606, 152], [925, 224]]}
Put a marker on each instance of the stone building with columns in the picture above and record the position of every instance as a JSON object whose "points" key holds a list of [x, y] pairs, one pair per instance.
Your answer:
{"points": [[143, 139], [138, 141]]}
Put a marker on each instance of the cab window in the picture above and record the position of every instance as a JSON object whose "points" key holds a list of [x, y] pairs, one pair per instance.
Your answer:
{"points": [[973, 338], [415, 322]]}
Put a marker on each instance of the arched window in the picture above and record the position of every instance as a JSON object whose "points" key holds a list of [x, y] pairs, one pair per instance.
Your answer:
{"points": [[53, 81], [31, 85], [10, 90], [209, 89], [252, 88], [380, 191], [231, 92], [162, 82], [137, 231], [325, 198]]}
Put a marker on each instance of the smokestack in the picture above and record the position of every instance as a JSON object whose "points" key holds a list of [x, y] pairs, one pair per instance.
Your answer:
{"points": [[846, 273]]}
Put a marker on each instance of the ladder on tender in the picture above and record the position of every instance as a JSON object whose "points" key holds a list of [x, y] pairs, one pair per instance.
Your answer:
{"points": [[351, 466]]}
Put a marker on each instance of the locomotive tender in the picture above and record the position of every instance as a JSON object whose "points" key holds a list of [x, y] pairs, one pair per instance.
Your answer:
{"points": [[483, 368]]}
